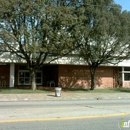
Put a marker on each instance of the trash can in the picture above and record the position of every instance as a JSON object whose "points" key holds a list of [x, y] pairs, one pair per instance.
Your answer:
{"points": [[57, 91]]}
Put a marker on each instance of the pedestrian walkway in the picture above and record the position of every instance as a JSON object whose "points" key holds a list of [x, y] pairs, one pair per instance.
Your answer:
{"points": [[64, 96]]}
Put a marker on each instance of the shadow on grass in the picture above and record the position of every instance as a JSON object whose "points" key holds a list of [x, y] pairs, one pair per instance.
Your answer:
{"points": [[20, 91], [126, 90], [96, 90], [75, 89], [48, 90]]}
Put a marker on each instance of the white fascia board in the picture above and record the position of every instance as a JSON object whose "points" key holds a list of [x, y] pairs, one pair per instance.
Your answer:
{"points": [[125, 63], [70, 60]]}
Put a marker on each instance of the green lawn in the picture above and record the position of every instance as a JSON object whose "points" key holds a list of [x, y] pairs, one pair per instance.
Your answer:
{"points": [[47, 90], [20, 91], [105, 90]]}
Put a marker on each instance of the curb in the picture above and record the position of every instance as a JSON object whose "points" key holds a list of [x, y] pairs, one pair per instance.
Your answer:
{"points": [[64, 96]]}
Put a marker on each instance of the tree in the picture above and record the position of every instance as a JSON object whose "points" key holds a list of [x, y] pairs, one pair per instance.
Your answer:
{"points": [[37, 31], [105, 34], [2, 49]]}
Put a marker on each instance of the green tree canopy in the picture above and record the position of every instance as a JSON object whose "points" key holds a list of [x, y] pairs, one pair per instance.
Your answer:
{"points": [[105, 33], [37, 31]]}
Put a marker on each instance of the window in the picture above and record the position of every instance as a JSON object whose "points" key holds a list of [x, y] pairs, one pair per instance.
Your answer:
{"points": [[127, 76], [126, 73], [22, 67], [25, 78], [127, 69], [38, 78]]}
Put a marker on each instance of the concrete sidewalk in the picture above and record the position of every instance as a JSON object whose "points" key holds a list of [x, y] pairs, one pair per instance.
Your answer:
{"points": [[64, 96]]}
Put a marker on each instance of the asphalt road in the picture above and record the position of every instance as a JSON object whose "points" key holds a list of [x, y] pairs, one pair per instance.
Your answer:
{"points": [[64, 115]]}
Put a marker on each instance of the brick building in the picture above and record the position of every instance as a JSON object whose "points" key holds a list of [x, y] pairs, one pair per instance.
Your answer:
{"points": [[64, 72]]}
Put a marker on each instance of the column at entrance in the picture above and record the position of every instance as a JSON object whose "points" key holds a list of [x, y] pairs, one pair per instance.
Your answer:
{"points": [[12, 78]]}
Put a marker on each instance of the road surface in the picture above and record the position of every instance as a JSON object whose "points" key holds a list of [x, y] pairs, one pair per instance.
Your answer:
{"points": [[64, 115]]}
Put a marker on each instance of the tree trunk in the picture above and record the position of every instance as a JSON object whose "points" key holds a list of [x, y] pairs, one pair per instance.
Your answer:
{"points": [[33, 80], [92, 73]]}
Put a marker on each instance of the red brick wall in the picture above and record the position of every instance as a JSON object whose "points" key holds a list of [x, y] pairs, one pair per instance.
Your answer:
{"points": [[79, 76], [71, 76], [126, 84], [4, 75]]}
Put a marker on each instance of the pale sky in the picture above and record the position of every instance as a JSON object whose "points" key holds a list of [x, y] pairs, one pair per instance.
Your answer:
{"points": [[124, 3]]}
